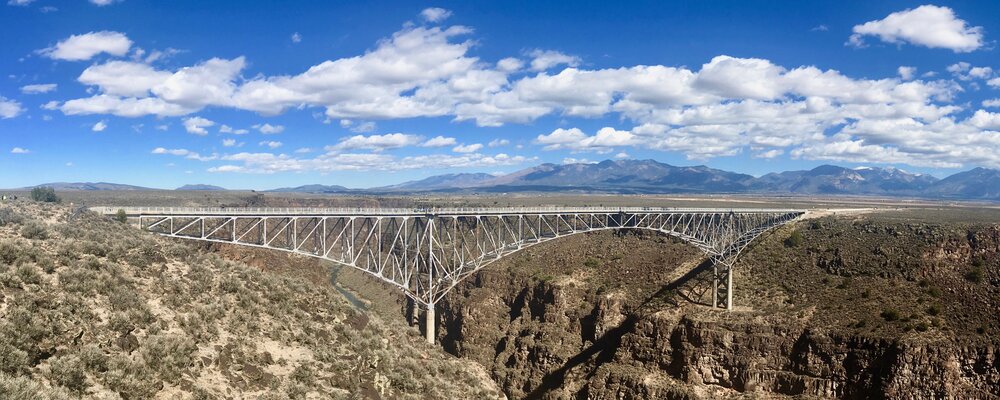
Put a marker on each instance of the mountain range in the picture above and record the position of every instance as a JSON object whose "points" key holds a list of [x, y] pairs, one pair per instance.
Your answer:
{"points": [[200, 186], [313, 189], [649, 176], [90, 186]]}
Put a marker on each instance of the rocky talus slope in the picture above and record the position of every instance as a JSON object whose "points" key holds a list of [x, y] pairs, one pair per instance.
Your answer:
{"points": [[834, 308], [92, 308]]}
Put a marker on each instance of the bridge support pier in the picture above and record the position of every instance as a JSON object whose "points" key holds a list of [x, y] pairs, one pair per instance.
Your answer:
{"points": [[722, 285], [429, 324]]}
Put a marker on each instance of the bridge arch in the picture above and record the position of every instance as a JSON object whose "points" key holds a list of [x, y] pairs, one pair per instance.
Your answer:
{"points": [[426, 253]]}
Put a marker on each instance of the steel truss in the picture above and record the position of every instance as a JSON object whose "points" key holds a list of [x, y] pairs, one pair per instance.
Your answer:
{"points": [[425, 254]]}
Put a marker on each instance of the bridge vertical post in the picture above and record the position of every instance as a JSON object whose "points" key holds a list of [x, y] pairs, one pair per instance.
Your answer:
{"points": [[429, 314], [715, 284], [729, 288]]}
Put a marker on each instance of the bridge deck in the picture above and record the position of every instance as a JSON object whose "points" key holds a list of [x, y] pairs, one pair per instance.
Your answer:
{"points": [[398, 212]]}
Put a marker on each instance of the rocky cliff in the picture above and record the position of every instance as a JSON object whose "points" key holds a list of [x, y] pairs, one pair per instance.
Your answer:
{"points": [[860, 309]]}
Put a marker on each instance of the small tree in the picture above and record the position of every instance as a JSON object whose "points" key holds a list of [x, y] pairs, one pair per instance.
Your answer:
{"points": [[794, 240], [44, 194], [121, 216]]}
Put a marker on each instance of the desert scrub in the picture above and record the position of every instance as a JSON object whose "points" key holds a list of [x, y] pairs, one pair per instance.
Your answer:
{"points": [[9, 252], [24, 388], [168, 355], [29, 274], [69, 371], [9, 217], [77, 315], [34, 230], [84, 281], [130, 379]]}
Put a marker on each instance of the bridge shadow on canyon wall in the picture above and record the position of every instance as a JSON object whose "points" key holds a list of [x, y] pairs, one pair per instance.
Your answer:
{"points": [[689, 288]]}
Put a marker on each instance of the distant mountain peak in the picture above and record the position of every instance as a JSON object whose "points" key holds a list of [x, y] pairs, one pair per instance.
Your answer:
{"points": [[90, 186], [200, 186]]}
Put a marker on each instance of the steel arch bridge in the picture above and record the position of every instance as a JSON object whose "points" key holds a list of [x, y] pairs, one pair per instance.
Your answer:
{"points": [[426, 252]]}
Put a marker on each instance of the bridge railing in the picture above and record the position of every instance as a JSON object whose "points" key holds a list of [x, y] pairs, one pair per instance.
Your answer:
{"points": [[300, 211]]}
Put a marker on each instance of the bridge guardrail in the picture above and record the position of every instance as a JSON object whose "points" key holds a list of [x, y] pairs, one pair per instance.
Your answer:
{"points": [[200, 211]]}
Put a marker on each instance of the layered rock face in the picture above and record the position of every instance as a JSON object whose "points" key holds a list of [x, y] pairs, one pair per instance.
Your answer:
{"points": [[549, 325]]}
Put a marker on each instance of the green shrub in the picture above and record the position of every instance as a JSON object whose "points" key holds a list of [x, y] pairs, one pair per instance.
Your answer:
{"points": [[890, 315], [933, 310], [12, 359], [975, 275], [68, 371], [44, 194], [121, 216], [592, 263], [34, 230], [794, 239]]}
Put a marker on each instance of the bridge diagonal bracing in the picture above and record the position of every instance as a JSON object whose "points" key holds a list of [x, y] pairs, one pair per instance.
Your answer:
{"points": [[426, 253]]}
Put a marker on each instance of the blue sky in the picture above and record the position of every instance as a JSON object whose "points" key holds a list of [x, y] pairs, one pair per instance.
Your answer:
{"points": [[260, 95]]}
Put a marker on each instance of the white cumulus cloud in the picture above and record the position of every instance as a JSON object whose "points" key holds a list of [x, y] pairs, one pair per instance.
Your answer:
{"points": [[100, 126], [928, 25], [435, 14], [376, 142], [86, 46], [544, 59], [38, 88], [906, 73], [19, 150], [470, 148], [191, 155], [269, 129], [440, 141], [9, 108], [197, 125]]}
